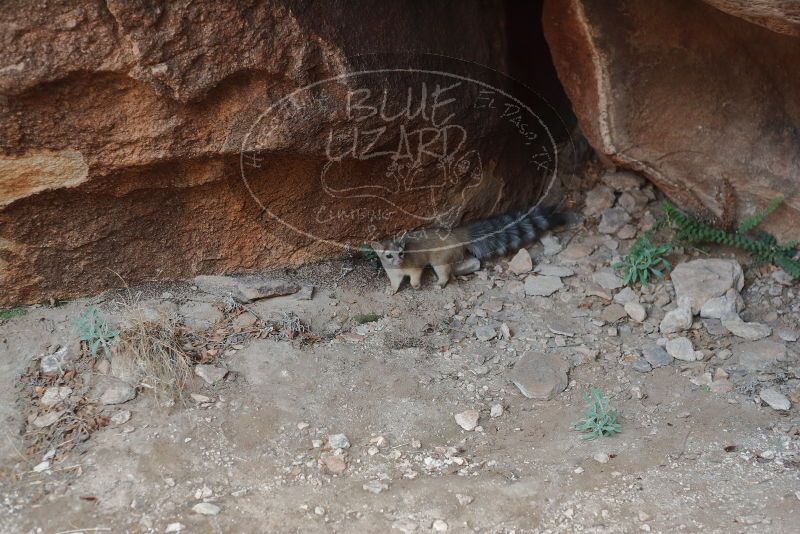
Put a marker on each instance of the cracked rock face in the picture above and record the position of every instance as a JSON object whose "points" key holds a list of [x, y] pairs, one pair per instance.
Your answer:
{"points": [[658, 88], [123, 123]]}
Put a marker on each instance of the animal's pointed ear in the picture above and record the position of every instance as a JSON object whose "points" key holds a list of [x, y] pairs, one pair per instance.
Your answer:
{"points": [[375, 245]]}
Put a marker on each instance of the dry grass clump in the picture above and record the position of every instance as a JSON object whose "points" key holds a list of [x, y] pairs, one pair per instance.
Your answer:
{"points": [[149, 347]]}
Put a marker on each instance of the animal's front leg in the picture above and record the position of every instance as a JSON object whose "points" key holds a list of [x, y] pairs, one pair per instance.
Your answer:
{"points": [[415, 276], [395, 279]]}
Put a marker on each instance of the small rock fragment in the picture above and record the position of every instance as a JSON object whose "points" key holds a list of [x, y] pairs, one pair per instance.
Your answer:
{"points": [[681, 348], [338, 441], [775, 399], [612, 220], [750, 331], [676, 320], [607, 280], [206, 508], [485, 333], [636, 311], [375, 486], [55, 394], [496, 411], [540, 376], [463, 499], [642, 366], [121, 417], [656, 355], [211, 374], [174, 527], [468, 419], [521, 263], [439, 526], [334, 464], [542, 286], [117, 392], [601, 457], [598, 199]]}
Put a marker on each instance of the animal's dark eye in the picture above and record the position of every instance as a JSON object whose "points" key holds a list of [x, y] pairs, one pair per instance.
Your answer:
{"points": [[389, 256]]}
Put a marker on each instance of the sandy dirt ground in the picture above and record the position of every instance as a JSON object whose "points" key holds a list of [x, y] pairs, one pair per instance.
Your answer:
{"points": [[260, 450]]}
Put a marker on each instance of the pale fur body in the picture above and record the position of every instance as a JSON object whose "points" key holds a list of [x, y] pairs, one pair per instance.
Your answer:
{"points": [[409, 255]]}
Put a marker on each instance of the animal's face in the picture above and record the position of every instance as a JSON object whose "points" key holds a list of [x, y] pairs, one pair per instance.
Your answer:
{"points": [[391, 253]]}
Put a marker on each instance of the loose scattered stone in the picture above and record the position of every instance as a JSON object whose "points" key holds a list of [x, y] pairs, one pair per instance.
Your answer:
{"points": [[577, 250], [439, 526], [642, 366], [206, 508], [496, 411], [722, 307], [554, 270], [636, 311], [55, 394], [704, 279], [788, 335], [676, 320], [626, 295], [627, 232], [375, 486], [485, 333], [613, 313], [542, 286], [601, 458], [521, 263], [334, 464], [622, 180], [681, 348], [468, 419], [41, 466], [562, 327], [551, 244], [759, 355], [199, 315], [612, 220], [540, 376], [50, 364], [464, 499], [200, 399], [607, 280], [598, 199], [338, 441], [174, 527], [46, 419], [117, 392], [121, 417], [775, 399], [244, 290], [750, 331], [211, 374], [656, 355], [632, 201]]}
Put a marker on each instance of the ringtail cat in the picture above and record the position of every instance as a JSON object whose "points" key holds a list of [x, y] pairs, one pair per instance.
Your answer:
{"points": [[496, 236]]}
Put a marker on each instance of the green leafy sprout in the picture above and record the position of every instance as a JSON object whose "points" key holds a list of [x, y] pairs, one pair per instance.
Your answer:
{"points": [[95, 331], [643, 260], [598, 419]]}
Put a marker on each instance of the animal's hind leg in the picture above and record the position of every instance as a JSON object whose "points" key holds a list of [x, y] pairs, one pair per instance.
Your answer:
{"points": [[415, 276], [443, 273]]}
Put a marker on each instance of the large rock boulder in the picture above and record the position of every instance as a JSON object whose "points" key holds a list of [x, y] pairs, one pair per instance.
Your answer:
{"points": [[693, 95], [127, 129]]}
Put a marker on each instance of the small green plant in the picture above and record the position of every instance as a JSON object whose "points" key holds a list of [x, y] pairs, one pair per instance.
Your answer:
{"points": [[643, 259], [364, 318], [598, 419], [95, 331], [371, 256], [762, 245], [5, 315]]}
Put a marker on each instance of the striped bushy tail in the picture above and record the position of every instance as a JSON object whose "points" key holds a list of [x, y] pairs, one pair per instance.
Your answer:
{"points": [[506, 233]]}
